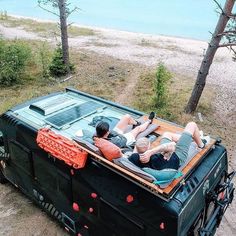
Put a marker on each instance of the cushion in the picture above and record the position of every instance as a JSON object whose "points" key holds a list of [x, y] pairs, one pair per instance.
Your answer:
{"points": [[109, 150], [128, 165], [112, 121], [86, 144], [146, 132], [164, 175]]}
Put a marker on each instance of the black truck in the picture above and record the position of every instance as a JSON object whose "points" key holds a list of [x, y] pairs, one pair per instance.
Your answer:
{"points": [[46, 151]]}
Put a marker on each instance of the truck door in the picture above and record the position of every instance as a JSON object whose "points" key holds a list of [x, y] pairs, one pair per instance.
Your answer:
{"points": [[53, 177], [21, 165]]}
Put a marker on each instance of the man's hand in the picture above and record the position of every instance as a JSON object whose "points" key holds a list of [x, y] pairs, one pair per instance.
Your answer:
{"points": [[169, 148], [145, 157]]}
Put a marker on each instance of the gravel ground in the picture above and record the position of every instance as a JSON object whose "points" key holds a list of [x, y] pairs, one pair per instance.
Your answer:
{"points": [[18, 216]]}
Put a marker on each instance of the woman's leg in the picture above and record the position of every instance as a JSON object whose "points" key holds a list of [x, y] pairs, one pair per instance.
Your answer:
{"points": [[140, 128], [124, 122]]}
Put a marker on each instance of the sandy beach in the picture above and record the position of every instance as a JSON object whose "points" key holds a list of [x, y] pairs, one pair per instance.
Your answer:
{"points": [[181, 56]]}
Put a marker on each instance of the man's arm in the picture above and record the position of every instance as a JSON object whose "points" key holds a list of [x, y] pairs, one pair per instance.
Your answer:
{"points": [[163, 148]]}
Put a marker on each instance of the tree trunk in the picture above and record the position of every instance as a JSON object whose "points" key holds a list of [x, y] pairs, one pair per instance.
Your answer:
{"points": [[64, 34], [208, 58]]}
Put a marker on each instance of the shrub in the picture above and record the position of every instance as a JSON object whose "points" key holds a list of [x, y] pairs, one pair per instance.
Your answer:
{"points": [[57, 66], [3, 15], [14, 57], [160, 85], [44, 55]]}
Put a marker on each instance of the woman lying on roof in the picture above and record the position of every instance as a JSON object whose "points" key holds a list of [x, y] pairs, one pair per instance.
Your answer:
{"points": [[118, 136]]}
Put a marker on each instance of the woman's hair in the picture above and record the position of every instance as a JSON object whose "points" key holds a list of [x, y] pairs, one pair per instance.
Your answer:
{"points": [[102, 128]]}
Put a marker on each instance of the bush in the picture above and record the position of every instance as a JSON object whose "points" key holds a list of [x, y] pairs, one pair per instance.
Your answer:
{"points": [[160, 85], [14, 57], [57, 66], [44, 56], [3, 15]]}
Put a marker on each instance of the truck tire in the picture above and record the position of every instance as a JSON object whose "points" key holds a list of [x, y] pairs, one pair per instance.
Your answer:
{"points": [[3, 180]]}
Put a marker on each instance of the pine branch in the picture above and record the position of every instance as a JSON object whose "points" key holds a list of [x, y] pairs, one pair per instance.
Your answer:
{"points": [[69, 12], [68, 25], [218, 12], [233, 50], [45, 9], [229, 32], [232, 16], [222, 10], [227, 45]]}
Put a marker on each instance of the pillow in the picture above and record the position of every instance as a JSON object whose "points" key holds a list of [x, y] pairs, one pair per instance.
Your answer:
{"points": [[112, 121], [162, 175], [108, 149], [88, 145], [125, 163]]}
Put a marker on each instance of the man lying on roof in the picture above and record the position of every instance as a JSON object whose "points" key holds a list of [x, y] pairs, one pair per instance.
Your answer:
{"points": [[118, 136], [172, 152]]}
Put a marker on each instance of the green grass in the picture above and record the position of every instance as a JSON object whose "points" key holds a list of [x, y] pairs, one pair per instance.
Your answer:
{"points": [[44, 29], [93, 75], [147, 43], [164, 45], [75, 31], [179, 90]]}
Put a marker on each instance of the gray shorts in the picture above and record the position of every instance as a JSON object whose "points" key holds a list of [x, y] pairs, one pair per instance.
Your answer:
{"points": [[182, 146]]}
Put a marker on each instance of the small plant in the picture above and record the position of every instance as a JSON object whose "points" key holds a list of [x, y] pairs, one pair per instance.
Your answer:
{"points": [[57, 66], [160, 86], [44, 59], [3, 15], [14, 57]]}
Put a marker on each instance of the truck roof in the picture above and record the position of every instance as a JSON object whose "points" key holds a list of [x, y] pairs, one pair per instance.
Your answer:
{"points": [[66, 113], [71, 113]]}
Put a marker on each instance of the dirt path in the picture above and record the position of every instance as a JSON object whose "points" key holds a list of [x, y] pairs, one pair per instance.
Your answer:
{"points": [[128, 91]]}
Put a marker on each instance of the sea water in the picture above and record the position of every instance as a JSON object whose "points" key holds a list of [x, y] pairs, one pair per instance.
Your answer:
{"points": [[181, 18]]}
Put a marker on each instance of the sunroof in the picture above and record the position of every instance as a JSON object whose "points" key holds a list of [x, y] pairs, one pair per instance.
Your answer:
{"points": [[73, 114]]}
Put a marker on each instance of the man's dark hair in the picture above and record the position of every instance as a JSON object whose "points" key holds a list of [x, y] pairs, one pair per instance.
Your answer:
{"points": [[102, 128]]}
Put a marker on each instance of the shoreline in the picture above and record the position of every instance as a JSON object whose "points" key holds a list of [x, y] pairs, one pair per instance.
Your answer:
{"points": [[180, 55], [107, 30]]}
